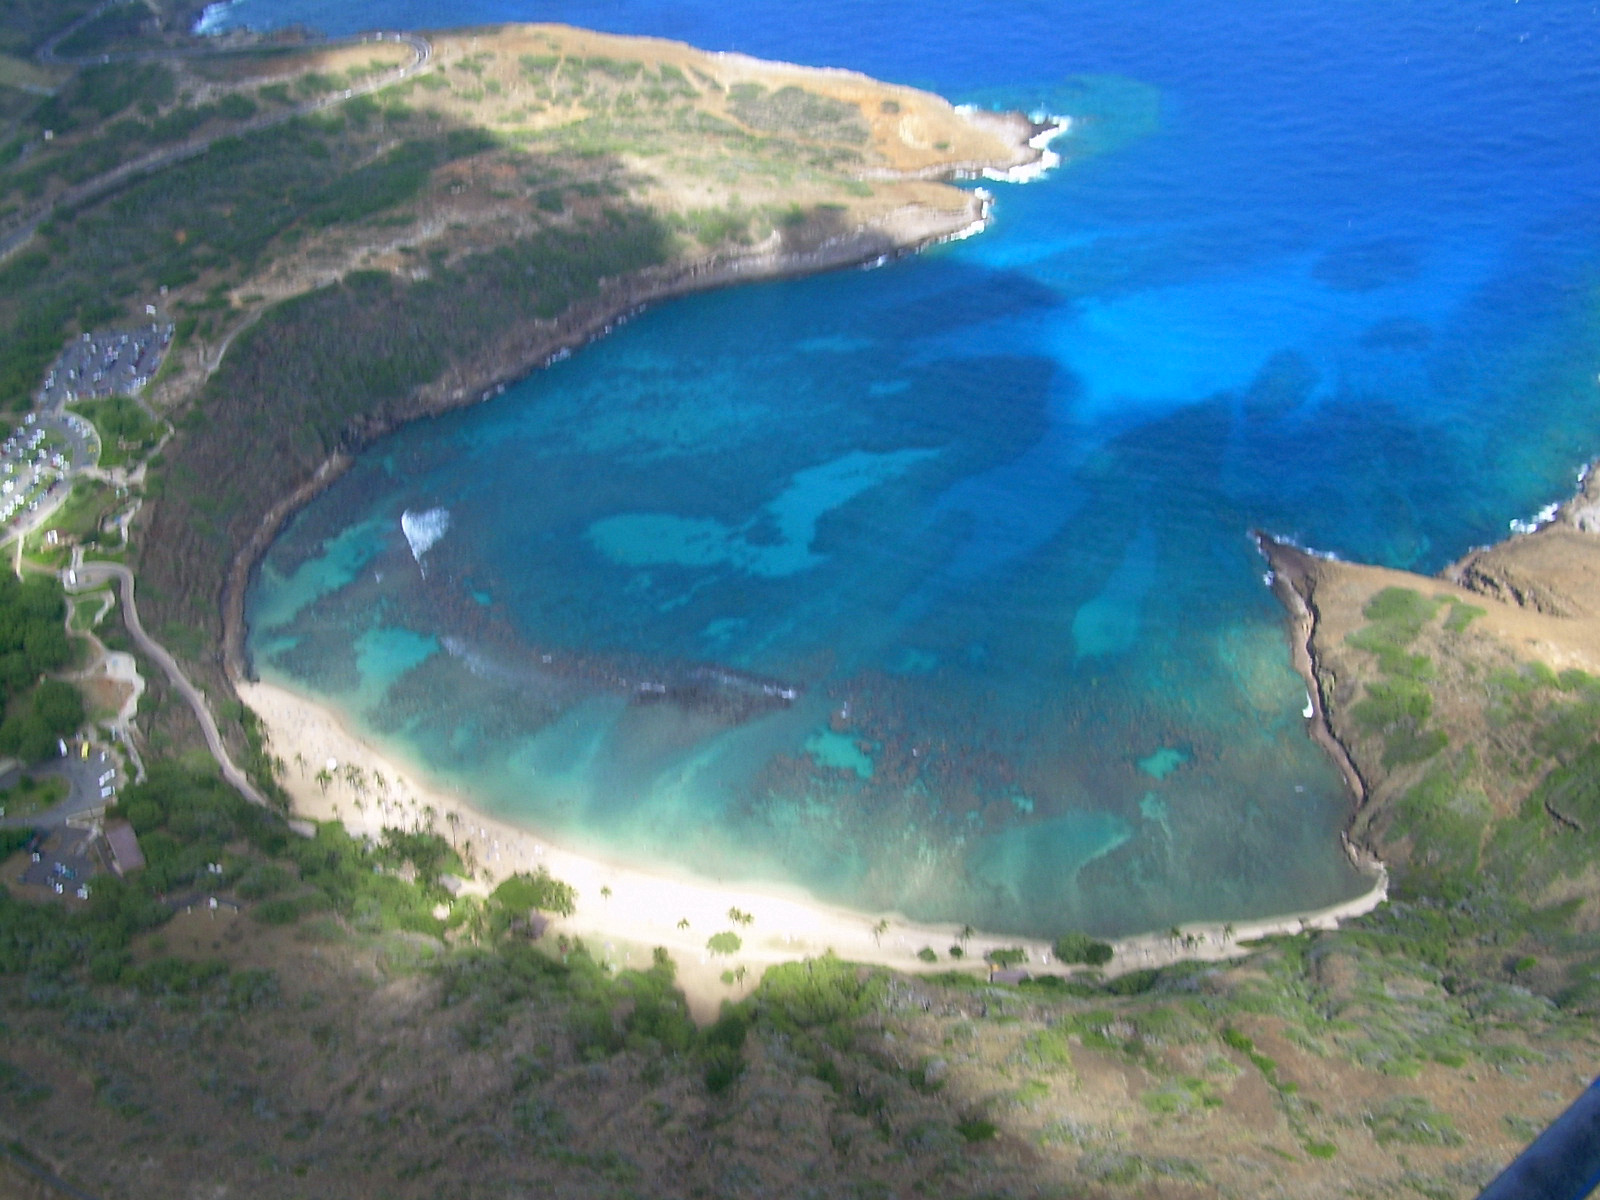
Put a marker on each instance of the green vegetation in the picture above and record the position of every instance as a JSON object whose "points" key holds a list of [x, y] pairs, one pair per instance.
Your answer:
{"points": [[20, 1089], [31, 795], [522, 893], [30, 22], [33, 641], [726, 942], [1396, 616], [113, 28], [186, 819], [794, 110], [1412, 1121], [1397, 707], [79, 519], [1460, 616], [54, 710], [127, 433], [1081, 948], [977, 1129], [97, 93], [1483, 962], [1398, 711]]}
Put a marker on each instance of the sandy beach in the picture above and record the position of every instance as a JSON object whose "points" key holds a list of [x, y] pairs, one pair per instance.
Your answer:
{"points": [[624, 912]]}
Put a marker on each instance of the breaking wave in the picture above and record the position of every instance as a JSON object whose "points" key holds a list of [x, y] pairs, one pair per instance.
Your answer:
{"points": [[423, 529]]}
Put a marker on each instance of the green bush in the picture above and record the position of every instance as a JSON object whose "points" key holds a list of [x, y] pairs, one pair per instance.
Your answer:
{"points": [[541, 890], [817, 992], [976, 1129], [725, 942], [54, 711], [1079, 947], [125, 431]]}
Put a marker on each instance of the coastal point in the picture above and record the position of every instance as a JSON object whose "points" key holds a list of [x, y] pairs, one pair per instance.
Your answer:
{"points": [[602, 612]]}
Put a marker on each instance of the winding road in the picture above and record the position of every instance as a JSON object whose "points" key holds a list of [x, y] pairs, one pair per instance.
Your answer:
{"points": [[91, 575], [94, 574]]}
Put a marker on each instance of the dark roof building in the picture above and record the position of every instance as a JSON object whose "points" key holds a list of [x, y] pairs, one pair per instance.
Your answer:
{"points": [[126, 857]]}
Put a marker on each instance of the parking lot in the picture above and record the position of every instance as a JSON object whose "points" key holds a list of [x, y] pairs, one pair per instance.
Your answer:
{"points": [[106, 363], [34, 462]]}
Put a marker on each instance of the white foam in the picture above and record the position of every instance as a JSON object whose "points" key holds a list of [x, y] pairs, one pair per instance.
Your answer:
{"points": [[211, 18], [423, 529], [1540, 519], [985, 215], [1047, 161]]}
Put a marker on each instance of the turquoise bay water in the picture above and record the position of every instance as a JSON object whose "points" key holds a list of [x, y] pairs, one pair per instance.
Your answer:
{"points": [[930, 587]]}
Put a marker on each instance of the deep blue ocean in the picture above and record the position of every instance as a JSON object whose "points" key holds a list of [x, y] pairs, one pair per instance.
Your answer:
{"points": [[1329, 270]]}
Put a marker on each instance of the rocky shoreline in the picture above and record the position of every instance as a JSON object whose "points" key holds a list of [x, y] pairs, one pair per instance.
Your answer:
{"points": [[902, 232], [1294, 581], [1535, 583]]}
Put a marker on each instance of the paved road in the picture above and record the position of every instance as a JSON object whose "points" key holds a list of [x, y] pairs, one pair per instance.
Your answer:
{"points": [[91, 575], [158, 160], [94, 574], [83, 789]]}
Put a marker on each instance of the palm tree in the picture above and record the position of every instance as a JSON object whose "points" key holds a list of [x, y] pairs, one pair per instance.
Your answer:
{"points": [[605, 891], [878, 930], [324, 778], [683, 922], [965, 935]]}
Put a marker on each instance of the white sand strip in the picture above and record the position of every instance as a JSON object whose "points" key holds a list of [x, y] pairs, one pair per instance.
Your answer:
{"points": [[623, 911]]}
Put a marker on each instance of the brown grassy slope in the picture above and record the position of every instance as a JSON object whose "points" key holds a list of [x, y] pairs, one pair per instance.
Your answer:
{"points": [[1535, 601], [1470, 704], [1338, 1074]]}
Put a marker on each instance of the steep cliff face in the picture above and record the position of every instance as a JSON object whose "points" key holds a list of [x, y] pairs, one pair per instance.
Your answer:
{"points": [[1469, 706]]}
